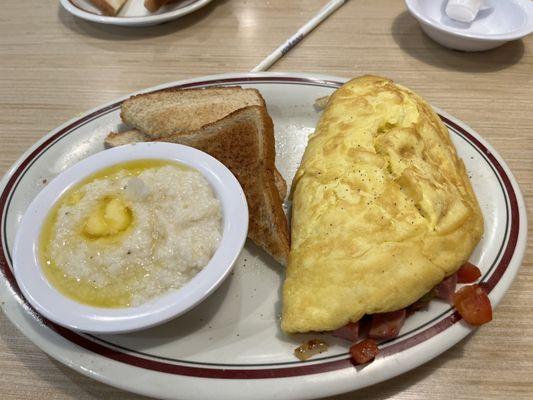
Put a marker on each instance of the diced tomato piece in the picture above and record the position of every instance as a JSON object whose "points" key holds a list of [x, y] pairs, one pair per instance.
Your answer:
{"points": [[349, 332], [364, 351], [446, 288], [468, 273], [387, 325], [473, 304]]}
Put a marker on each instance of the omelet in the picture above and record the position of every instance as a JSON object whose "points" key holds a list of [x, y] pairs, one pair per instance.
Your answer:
{"points": [[382, 209]]}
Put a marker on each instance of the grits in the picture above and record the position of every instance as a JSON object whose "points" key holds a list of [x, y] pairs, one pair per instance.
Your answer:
{"points": [[130, 233]]}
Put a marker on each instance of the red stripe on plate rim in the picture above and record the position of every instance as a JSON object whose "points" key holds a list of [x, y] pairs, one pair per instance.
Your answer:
{"points": [[227, 373]]}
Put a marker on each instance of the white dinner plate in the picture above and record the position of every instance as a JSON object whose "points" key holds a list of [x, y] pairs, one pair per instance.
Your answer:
{"points": [[133, 12], [231, 346]]}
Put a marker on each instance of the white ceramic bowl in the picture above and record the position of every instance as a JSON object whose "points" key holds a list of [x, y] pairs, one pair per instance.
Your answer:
{"points": [[502, 21], [66, 312]]}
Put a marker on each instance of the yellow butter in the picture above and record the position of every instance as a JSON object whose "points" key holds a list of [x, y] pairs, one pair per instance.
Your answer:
{"points": [[111, 218]]}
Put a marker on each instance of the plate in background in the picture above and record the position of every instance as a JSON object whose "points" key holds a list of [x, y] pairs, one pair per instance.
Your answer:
{"points": [[133, 12]]}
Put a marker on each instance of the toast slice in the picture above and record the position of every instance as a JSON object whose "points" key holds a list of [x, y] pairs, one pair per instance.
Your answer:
{"points": [[154, 5], [109, 7], [244, 142], [115, 139], [173, 111]]}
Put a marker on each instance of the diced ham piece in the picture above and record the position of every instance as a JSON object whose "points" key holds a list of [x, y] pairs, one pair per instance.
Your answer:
{"points": [[446, 288], [387, 325], [349, 332]]}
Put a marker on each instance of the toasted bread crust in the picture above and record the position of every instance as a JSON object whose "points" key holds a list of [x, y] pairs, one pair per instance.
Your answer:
{"points": [[115, 139], [154, 5], [281, 185]]}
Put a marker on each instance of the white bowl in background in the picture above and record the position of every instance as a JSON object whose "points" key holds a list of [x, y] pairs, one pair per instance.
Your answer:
{"points": [[500, 22], [49, 302]]}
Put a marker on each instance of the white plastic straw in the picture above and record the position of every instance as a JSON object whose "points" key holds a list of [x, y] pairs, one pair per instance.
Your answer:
{"points": [[324, 12]]}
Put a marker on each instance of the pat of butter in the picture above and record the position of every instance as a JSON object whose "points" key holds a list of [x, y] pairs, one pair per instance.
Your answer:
{"points": [[110, 219], [136, 190], [463, 10]]}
